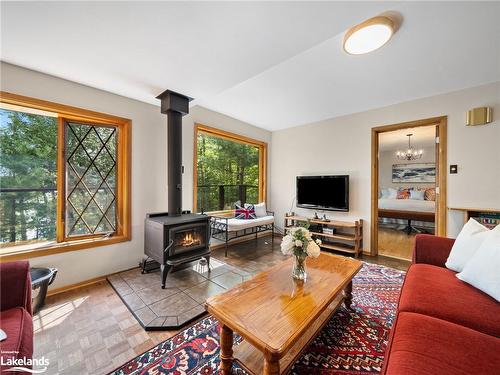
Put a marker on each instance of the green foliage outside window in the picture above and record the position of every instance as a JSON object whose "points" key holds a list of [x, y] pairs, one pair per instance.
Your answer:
{"points": [[28, 175], [228, 172]]}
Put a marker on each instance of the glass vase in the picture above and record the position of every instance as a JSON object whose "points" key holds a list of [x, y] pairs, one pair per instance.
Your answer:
{"points": [[299, 268]]}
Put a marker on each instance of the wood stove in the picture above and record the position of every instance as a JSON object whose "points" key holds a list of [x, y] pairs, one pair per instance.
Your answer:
{"points": [[175, 240], [175, 237]]}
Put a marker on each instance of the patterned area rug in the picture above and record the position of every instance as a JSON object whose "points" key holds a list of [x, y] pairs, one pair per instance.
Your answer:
{"points": [[353, 342]]}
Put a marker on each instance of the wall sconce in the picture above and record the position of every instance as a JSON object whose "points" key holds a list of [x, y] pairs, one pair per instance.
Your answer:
{"points": [[479, 116]]}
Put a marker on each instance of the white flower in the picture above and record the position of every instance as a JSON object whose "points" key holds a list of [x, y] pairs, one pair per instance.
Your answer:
{"points": [[308, 235], [318, 241], [298, 243], [287, 244], [313, 249]]}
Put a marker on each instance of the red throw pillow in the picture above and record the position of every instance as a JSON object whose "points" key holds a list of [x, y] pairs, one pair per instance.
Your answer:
{"points": [[403, 193]]}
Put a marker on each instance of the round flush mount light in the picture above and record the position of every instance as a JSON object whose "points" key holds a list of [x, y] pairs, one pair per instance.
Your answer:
{"points": [[369, 35]]}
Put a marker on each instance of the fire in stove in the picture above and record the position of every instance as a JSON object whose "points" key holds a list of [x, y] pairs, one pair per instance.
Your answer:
{"points": [[190, 239]]}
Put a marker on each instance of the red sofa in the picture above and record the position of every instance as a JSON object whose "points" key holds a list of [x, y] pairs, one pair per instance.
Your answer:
{"points": [[443, 325], [15, 312]]}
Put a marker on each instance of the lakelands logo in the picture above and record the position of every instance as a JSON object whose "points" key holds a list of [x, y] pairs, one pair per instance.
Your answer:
{"points": [[24, 364]]}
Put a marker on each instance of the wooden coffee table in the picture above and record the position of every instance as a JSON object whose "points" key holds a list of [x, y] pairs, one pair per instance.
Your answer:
{"points": [[277, 316]]}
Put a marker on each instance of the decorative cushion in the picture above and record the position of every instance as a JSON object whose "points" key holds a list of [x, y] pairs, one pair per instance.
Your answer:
{"points": [[403, 193], [260, 209], [483, 269], [467, 243], [417, 195], [430, 194], [243, 213]]}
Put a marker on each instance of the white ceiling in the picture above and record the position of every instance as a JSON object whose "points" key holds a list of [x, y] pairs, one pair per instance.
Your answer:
{"points": [[423, 137], [274, 64]]}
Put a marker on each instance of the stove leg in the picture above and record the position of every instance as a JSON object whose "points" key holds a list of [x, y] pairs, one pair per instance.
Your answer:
{"points": [[165, 269], [208, 263]]}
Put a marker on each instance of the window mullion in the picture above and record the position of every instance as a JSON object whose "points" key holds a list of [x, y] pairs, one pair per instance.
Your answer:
{"points": [[61, 180]]}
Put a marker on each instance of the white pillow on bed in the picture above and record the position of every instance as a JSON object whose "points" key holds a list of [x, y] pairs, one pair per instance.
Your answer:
{"points": [[469, 240], [418, 195], [392, 193]]}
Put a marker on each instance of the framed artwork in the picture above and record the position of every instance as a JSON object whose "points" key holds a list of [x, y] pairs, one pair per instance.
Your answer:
{"points": [[416, 172]]}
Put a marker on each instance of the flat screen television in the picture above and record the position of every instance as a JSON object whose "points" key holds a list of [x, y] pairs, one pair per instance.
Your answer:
{"points": [[323, 192]]}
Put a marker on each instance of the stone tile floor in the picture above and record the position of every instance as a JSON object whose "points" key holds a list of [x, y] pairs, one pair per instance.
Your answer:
{"points": [[183, 297]]}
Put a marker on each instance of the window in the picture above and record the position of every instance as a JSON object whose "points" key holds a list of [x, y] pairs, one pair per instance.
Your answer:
{"points": [[228, 169], [64, 178]]}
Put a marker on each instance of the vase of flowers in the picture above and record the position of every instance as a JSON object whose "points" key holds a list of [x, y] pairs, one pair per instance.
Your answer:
{"points": [[299, 243]]}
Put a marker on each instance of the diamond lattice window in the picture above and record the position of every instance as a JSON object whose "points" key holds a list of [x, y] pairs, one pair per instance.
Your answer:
{"points": [[91, 160]]}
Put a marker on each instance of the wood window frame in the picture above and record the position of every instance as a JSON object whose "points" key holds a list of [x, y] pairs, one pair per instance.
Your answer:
{"points": [[262, 146], [441, 124], [123, 173]]}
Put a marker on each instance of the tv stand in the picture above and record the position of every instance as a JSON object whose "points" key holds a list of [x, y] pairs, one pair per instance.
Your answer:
{"points": [[344, 236]]}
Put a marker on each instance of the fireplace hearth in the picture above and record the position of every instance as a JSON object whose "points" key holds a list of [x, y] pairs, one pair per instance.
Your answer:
{"points": [[175, 237]]}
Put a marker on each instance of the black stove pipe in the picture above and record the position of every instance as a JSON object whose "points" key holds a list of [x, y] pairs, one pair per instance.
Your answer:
{"points": [[174, 105]]}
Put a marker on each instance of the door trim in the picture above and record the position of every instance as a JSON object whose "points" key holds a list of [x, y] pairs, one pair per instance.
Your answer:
{"points": [[441, 124]]}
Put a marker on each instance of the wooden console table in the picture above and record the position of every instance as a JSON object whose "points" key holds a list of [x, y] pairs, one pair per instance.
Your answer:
{"points": [[347, 236]]}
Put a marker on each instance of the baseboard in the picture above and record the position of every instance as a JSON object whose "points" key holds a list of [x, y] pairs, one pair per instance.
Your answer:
{"points": [[81, 284]]}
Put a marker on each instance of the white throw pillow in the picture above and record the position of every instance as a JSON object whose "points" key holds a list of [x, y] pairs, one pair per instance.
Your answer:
{"points": [[384, 193], [418, 195], [260, 209], [483, 270], [392, 193], [467, 243]]}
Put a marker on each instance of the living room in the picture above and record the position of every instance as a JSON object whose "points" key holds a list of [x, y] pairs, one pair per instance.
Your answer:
{"points": [[118, 118]]}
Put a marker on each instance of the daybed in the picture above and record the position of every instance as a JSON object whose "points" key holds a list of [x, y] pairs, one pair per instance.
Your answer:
{"points": [[227, 228], [407, 209]]}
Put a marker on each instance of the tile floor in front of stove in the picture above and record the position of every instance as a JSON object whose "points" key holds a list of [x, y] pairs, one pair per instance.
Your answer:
{"points": [[89, 330]]}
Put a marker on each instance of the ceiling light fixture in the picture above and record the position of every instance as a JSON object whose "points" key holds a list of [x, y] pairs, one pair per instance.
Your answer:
{"points": [[410, 153], [369, 35]]}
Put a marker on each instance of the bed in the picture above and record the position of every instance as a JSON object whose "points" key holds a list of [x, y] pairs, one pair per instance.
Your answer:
{"points": [[410, 210]]}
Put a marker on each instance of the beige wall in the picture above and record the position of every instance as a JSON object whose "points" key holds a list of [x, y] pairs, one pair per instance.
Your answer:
{"points": [[387, 159], [149, 163], [343, 146]]}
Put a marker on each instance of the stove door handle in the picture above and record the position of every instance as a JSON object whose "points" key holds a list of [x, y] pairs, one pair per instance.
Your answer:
{"points": [[168, 247]]}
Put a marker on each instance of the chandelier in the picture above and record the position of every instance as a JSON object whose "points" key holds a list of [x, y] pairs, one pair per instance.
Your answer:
{"points": [[410, 153]]}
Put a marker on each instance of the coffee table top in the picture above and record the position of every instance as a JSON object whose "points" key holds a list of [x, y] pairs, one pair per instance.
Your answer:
{"points": [[271, 310]]}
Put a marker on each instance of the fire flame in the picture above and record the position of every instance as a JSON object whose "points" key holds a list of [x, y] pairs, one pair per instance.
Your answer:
{"points": [[190, 240]]}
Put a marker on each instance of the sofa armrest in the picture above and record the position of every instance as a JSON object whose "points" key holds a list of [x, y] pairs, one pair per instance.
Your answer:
{"points": [[431, 249], [15, 285]]}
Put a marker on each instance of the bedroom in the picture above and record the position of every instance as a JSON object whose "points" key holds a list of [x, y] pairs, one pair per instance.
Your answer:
{"points": [[407, 184]]}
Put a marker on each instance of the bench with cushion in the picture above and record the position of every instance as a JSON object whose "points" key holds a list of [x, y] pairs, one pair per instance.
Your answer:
{"points": [[227, 227]]}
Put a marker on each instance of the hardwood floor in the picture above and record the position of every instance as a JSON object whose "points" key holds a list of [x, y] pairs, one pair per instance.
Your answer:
{"points": [[90, 331], [395, 243]]}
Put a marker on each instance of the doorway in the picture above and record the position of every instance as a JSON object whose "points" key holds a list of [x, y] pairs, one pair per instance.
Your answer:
{"points": [[408, 185]]}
